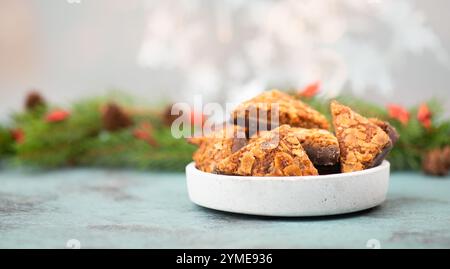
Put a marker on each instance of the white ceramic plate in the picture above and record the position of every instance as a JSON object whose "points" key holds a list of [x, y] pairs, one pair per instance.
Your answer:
{"points": [[290, 196]]}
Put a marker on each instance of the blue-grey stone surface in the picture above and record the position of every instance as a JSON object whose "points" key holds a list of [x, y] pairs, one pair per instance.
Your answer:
{"points": [[127, 209]]}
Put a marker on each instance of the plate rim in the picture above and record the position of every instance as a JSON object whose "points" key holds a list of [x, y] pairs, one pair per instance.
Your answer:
{"points": [[384, 165]]}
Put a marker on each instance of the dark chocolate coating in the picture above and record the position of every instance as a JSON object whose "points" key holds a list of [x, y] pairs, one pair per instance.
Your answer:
{"points": [[393, 136], [326, 156], [253, 125], [391, 132], [329, 169], [380, 157]]}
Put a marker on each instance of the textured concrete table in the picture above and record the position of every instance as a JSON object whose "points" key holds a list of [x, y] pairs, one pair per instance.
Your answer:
{"points": [[126, 209]]}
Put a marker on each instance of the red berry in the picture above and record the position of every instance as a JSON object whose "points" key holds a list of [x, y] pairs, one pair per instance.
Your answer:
{"points": [[310, 90], [399, 113], [424, 115], [18, 135], [57, 115]]}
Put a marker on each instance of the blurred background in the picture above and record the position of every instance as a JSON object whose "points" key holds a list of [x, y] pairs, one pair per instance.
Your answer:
{"points": [[383, 58], [385, 50]]}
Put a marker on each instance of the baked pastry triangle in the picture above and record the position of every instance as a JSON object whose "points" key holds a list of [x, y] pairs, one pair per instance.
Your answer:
{"points": [[274, 153], [216, 146], [257, 112], [387, 128], [321, 145], [362, 143]]}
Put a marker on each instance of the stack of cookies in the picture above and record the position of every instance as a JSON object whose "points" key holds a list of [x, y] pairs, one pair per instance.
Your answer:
{"points": [[297, 141]]}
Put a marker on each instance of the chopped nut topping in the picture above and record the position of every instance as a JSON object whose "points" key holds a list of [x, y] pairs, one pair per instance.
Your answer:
{"points": [[287, 158], [258, 111], [216, 146], [360, 140]]}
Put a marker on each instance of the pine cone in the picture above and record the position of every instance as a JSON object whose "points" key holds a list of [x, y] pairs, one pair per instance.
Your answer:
{"points": [[437, 162], [34, 100], [114, 118], [446, 153]]}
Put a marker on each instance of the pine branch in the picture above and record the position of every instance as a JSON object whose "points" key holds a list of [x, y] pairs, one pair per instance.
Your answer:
{"points": [[82, 139], [6, 142]]}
